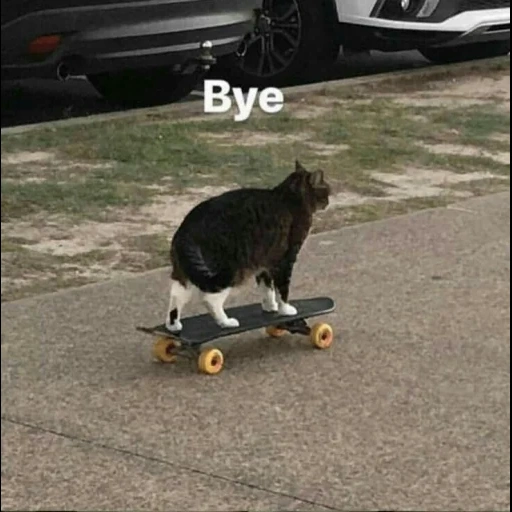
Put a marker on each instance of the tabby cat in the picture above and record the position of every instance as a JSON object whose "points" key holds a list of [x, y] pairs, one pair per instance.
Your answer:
{"points": [[242, 234]]}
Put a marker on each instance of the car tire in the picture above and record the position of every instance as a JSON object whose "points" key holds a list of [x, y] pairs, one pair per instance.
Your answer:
{"points": [[296, 38], [467, 52], [143, 87]]}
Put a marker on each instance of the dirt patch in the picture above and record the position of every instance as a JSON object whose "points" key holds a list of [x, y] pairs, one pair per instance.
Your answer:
{"points": [[479, 88], [413, 101], [414, 184], [502, 157], [501, 137], [167, 212], [477, 91], [483, 88], [26, 167], [27, 157], [254, 139], [422, 183], [81, 166], [331, 101], [304, 111], [28, 179], [251, 139], [59, 237], [327, 149]]}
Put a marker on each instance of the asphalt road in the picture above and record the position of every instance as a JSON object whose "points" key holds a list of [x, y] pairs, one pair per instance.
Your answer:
{"points": [[409, 410], [35, 101]]}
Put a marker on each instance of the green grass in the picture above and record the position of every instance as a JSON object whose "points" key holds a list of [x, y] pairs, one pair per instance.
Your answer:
{"points": [[91, 197], [145, 252], [380, 136], [475, 124]]}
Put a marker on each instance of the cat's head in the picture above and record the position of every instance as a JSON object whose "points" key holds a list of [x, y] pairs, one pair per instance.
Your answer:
{"points": [[311, 186]]}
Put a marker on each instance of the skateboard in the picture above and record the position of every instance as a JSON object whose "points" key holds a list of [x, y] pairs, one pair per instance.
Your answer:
{"points": [[200, 329]]}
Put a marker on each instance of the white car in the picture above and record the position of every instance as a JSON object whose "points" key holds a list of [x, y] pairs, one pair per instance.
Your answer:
{"points": [[295, 37]]}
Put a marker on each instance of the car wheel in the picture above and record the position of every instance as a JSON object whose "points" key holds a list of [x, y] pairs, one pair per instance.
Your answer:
{"points": [[291, 39], [467, 52], [143, 87]]}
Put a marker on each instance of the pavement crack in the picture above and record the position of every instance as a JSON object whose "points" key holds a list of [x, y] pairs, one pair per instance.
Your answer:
{"points": [[157, 460]]}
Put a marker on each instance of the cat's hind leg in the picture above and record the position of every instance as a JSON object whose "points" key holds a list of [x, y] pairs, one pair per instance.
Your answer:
{"points": [[215, 304], [282, 279], [284, 307], [268, 292], [179, 296]]}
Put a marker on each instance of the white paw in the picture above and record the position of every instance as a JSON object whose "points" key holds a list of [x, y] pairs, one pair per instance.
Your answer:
{"points": [[287, 310], [174, 327], [269, 306], [230, 323]]}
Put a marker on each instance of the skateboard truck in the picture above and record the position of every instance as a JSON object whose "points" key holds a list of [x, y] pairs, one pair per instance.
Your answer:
{"points": [[298, 326]]}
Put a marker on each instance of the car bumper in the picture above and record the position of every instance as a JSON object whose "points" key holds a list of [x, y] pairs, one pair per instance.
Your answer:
{"points": [[466, 27], [130, 34]]}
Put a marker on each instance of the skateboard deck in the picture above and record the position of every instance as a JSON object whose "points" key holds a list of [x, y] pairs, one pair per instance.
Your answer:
{"points": [[201, 329]]}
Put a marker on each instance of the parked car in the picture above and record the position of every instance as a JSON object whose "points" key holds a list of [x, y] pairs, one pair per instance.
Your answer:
{"points": [[292, 38], [132, 51]]}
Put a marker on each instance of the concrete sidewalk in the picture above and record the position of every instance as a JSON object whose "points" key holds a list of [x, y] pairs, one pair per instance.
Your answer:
{"points": [[409, 410]]}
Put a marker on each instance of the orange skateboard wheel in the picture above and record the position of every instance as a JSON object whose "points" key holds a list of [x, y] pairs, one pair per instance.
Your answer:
{"points": [[322, 335], [162, 350], [211, 361], [275, 332]]}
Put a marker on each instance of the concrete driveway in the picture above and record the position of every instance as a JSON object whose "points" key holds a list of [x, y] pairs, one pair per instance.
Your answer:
{"points": [[409, 410]]}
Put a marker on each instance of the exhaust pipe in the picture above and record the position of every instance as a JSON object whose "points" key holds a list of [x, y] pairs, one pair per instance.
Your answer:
{"points": [[62, 72]]}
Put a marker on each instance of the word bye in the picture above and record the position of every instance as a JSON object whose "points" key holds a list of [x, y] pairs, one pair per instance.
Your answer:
{"points": [[271, 100]]}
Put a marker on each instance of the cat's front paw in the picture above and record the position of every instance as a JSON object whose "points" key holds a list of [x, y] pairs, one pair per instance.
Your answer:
{"points": [[176, 326], [287, 310], [230, 323], [270, 306]]}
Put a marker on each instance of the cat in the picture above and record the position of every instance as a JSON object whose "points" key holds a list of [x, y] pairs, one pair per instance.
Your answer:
{"points": [[244, 234]]}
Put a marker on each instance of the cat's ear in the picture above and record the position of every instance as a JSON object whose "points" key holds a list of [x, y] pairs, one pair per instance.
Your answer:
{"points": [[316, 178], [298, 166]]}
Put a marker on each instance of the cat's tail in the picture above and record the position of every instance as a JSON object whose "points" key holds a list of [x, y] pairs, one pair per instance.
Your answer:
{"points": [[190, 265]]}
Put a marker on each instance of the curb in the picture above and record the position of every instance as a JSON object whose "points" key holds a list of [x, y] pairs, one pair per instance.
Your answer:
{"points": [[194, 108]]}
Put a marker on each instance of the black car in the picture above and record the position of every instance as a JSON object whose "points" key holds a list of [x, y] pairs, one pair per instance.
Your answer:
{"points": [[135, 52]]}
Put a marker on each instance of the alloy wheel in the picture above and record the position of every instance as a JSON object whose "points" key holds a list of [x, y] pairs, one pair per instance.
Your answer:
{"points": [[271, 47]]}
